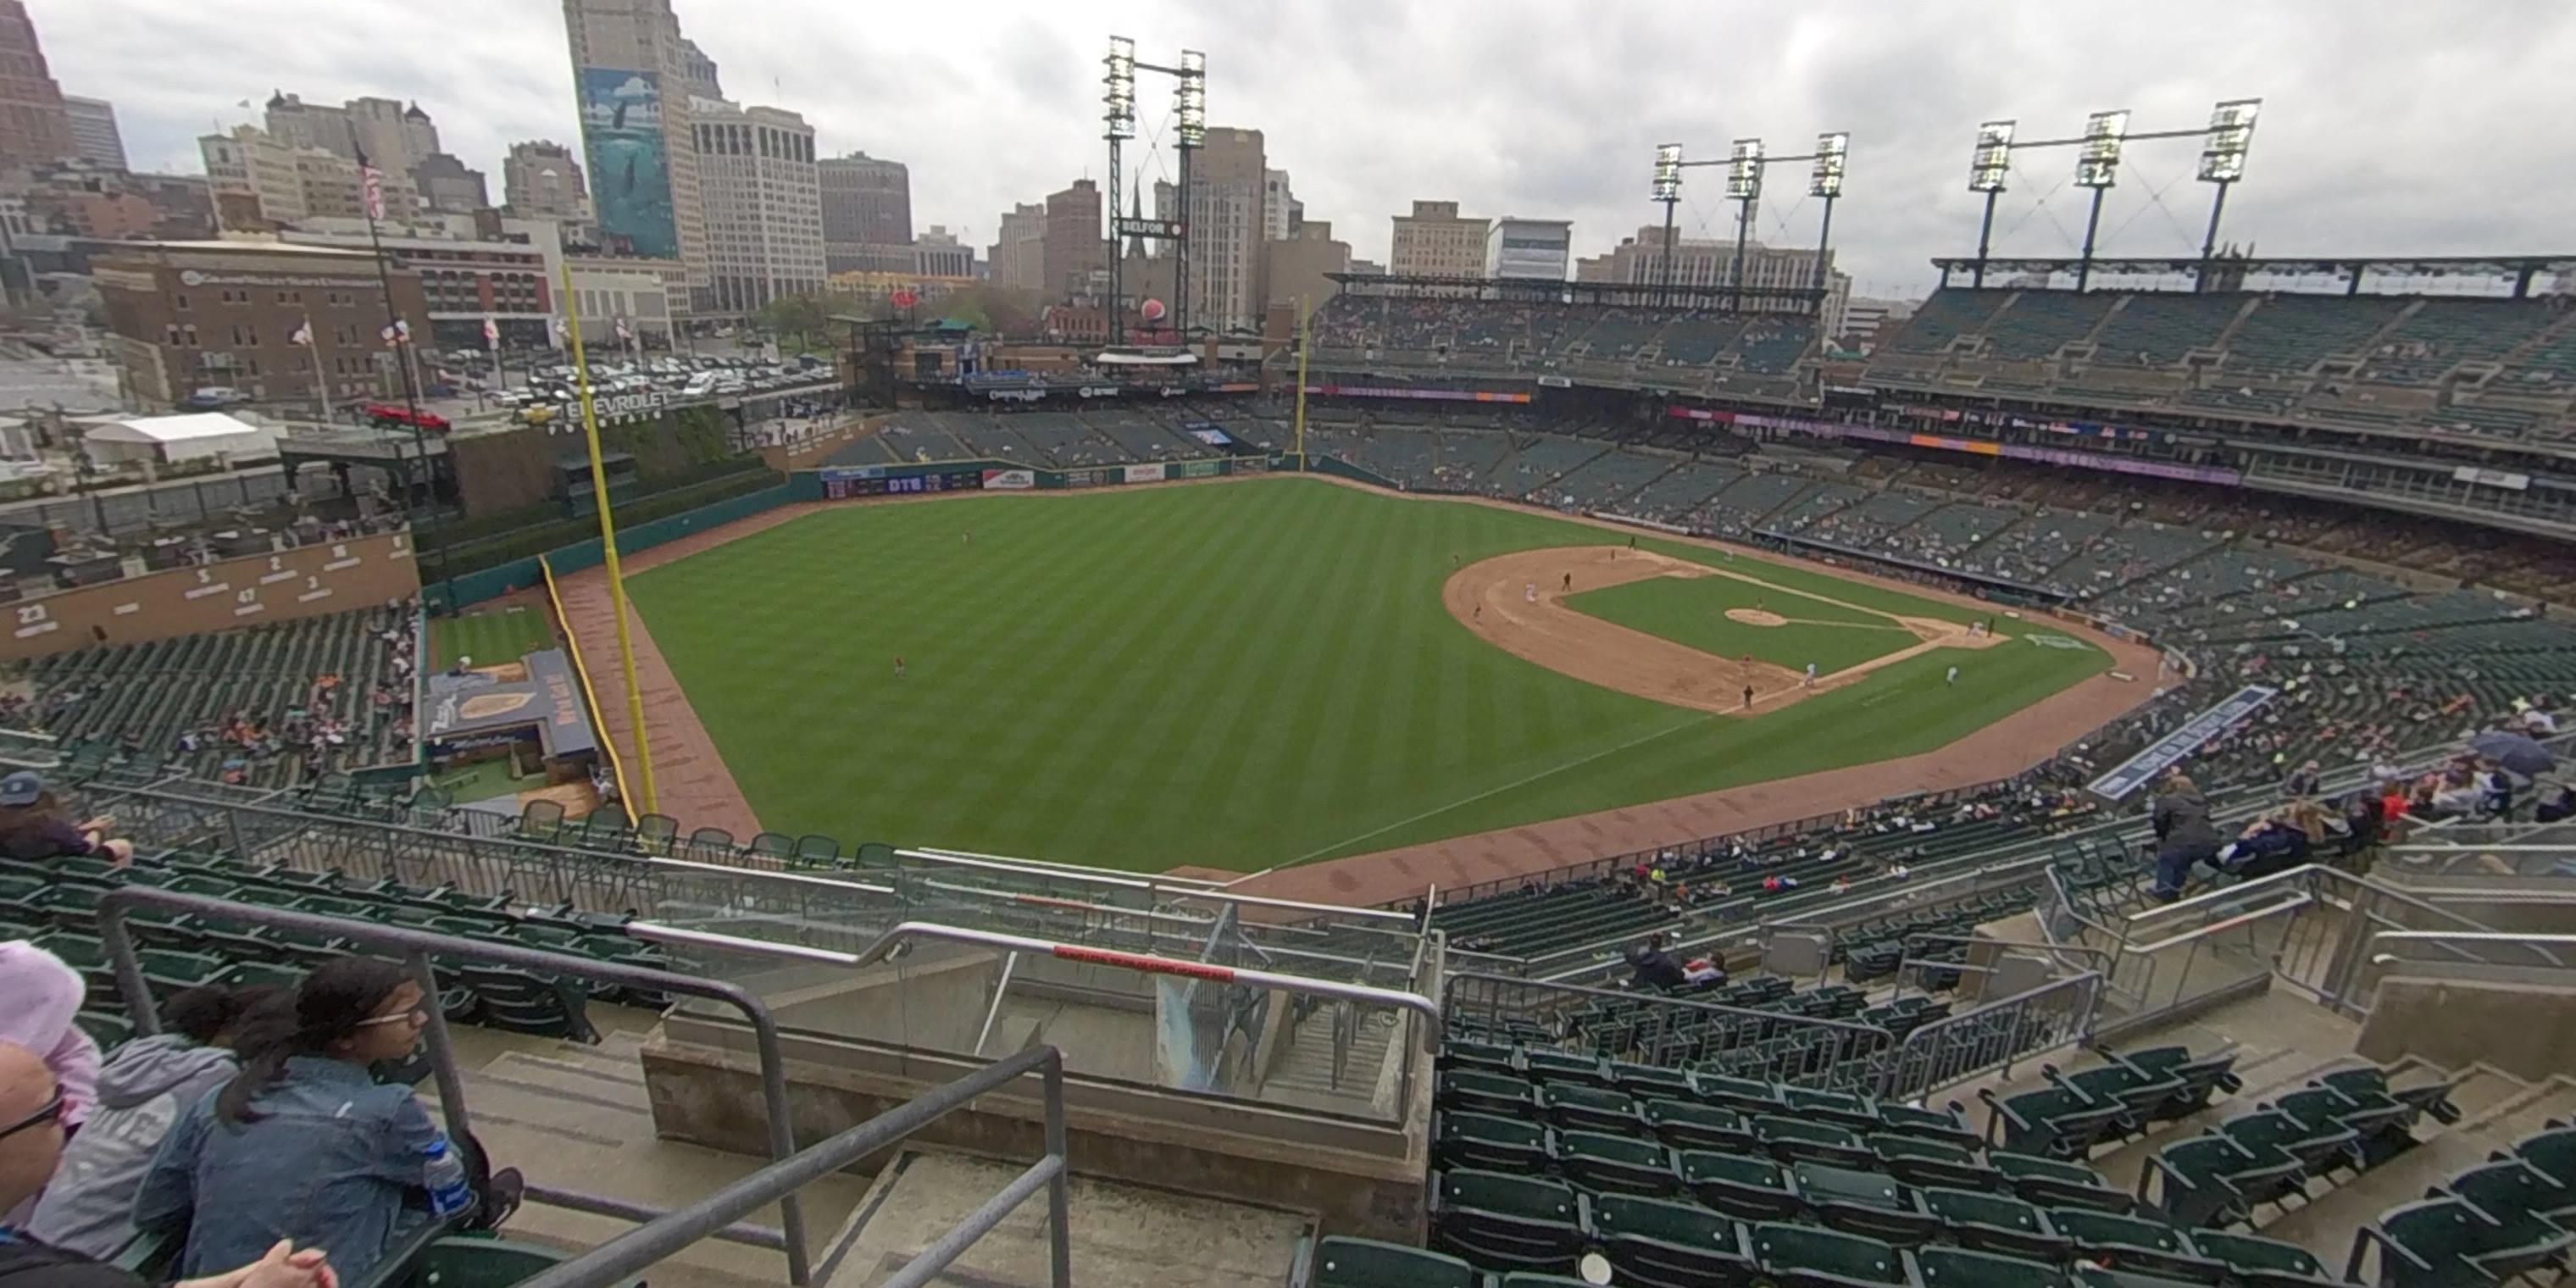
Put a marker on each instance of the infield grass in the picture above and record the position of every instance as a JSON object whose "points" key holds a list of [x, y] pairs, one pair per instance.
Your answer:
{"points": [[1692, 611], [1238, 676]]}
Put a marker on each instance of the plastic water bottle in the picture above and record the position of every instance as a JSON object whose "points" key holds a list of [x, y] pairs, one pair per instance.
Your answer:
{"points": [[444, 1175]]}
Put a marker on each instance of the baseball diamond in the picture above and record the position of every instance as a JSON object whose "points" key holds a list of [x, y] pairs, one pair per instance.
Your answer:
{"points": [[1272, 672]]}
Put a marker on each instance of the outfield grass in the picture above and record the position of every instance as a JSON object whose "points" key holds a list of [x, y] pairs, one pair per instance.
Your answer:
{"points": [[1692, 611], [489, 636], [1238, 676]]}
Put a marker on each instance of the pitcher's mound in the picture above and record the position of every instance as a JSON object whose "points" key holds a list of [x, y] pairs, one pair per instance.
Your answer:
{"points": [[1755, 617]]}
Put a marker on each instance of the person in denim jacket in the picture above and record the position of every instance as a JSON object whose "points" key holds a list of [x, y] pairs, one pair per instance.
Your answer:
{"points": [[303, 1144]]}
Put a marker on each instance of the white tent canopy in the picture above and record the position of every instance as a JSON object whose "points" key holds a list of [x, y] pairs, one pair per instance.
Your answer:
{"points": [[170, 439]]}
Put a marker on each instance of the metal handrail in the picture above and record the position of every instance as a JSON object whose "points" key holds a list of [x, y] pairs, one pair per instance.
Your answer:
{"points": [[2295, 876], [2453, 938], [417, 945], [2292, 904], [623, 1258], [1155, 884], [1049, 865], [2101, 954], [1658, 999], [1893, 1082], [903, 934]]}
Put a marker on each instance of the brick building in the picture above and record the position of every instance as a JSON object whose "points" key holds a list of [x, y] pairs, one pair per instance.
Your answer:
{"points": [[185, 315]]}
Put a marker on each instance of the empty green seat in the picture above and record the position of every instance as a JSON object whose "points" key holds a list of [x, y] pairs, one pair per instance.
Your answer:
{"points": [[1791, 1140], [2057, 1121], [2315, 1147], [1489, 1057], [171, 973], [1473, 1091], [2513, 1195], [1685, 1125], [1606, 1164], [1745, 1186], [1864, 1203], [2552, 1153], [1652, 1243], [1743, 1095], [2202, 1076], [2093, 1276], [2210, 1181], [1502, 1223], [1841, 1109], [1490, 1143], [1795, 1255], [1652, 1080], [1931, 1160], [2379, 1123], [1996, 1223], [1581, 1108], [106, 1028], [470, 1261], [2139, 1094], [1345, 1262], [2256, 1262], [1558, 1067], [1949, 1123], [1962, 1268], [2443, 1242], [2132, 1242], [526, 1002]]}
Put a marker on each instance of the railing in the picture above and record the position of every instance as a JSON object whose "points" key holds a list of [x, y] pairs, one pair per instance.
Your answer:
{"points": [[1660, 1026], [2062, 957], [622, 1259], [416, 947], [1991, 1037]]}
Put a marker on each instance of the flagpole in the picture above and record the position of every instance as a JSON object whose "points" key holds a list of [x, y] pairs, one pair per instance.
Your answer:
{"points": [[321, 381], [1302, 345], [371, 203], [608, 546]]}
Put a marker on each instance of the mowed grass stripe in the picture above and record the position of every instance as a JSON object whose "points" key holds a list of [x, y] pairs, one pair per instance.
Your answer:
{"points": [[1235, 675]]}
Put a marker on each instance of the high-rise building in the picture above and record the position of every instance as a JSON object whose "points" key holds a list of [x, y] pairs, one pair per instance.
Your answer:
{"points": [[259, 181], [1073, 248], [1299, 262], [1535, 249], [1018, 257], [867, 214], [1281, 212], [630, 79], [704, 81], [1709, 262], [446, 184], [1436, 241], [938, 253], [764, 204], [1228, 222], [541, 179], [34, 127], [394, 136], [94, 135]]}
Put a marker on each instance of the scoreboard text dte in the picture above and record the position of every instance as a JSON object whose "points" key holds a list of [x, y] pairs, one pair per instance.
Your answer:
{"points": [[844, 484]]}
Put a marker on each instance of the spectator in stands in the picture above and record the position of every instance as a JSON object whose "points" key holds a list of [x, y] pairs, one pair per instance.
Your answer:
{"points": [[33, 826], [147, 1084], [40, 1001], [1655, 967], [2185, 836], [31, 1144], [303, 1143], [2276, 842]]}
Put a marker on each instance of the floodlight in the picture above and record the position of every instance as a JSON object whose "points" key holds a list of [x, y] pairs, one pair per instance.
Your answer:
{"points": [[1190, 99], [1118, 95], [1744, 171], [1992, 160], [2231, 136], [1668, 172], [2097, 162], [1826, 179]]}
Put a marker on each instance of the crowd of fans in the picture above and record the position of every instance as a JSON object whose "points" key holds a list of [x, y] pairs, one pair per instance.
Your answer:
{"points": [[256, 1129]]}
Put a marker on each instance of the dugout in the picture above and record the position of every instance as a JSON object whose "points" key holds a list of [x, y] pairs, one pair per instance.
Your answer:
{"points": [[528, 712]]}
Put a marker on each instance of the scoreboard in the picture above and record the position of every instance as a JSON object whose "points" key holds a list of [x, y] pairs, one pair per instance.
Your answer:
{"points": [[845, 484]]}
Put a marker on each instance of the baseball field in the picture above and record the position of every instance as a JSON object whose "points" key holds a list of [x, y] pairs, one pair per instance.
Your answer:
{"points": [[1252, 674]]}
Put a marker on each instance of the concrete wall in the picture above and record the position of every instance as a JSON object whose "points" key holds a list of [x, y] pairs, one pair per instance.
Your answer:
{"points": [[2524, 1029], [1357, 1178], [308, 581]]}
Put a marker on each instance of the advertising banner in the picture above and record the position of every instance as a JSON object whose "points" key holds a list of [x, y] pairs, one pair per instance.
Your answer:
{"points": [[1010, 480], [1195, 469], [1144, 473], [630, 173]]}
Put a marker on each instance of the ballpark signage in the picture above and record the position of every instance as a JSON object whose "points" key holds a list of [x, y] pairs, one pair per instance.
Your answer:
{"points": [[2139, 770], [1010, 480], [1144, 473]]}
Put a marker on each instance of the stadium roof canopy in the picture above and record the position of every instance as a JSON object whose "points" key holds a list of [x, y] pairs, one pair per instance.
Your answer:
{"points": [[2230, 272]]}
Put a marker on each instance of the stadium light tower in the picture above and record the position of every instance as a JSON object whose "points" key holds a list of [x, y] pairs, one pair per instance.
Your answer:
{"points": [[1118, 103], [1744, 188], [2222, 160], [1668, 190], [2097, 166], [1987, 168], [1825, 180]]}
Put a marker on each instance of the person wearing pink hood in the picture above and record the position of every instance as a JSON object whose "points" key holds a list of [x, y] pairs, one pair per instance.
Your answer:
{"points": [[39, 996]]}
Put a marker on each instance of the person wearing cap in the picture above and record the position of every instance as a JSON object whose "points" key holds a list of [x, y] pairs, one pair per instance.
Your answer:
{"points": [[33, 826]]}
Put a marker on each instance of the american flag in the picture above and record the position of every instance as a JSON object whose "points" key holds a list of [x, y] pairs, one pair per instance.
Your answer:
{"points": [[303, 334], [371, 187]]}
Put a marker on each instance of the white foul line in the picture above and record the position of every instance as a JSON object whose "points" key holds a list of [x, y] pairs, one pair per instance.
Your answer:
{"points": [[1513, 786]]}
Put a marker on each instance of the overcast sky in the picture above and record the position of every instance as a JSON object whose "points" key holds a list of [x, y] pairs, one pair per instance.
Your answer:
{"points": [[2386, 127]]}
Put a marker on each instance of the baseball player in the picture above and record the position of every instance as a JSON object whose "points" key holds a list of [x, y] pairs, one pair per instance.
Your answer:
{"points": [[1953, 677], [898, 666], [1529, 592], [1748, 697], [1810, 681]]}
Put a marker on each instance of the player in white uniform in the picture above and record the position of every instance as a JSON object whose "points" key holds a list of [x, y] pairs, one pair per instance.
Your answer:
{"points": [[1810, 681], [1529, 591], [1953, 677]]}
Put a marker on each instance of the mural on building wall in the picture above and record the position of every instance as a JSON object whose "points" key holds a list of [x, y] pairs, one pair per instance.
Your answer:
{"points": [[630, 169]]}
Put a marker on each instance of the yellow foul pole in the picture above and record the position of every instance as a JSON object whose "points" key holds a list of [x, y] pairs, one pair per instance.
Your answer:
{"points": [[608, 547], [1302, 343]]}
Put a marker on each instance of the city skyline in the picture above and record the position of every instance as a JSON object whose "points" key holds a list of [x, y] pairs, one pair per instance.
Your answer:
{"points": [[1535, 114]]}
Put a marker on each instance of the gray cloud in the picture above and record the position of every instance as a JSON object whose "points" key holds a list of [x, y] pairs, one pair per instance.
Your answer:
{"points": [[2388, 128]]}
